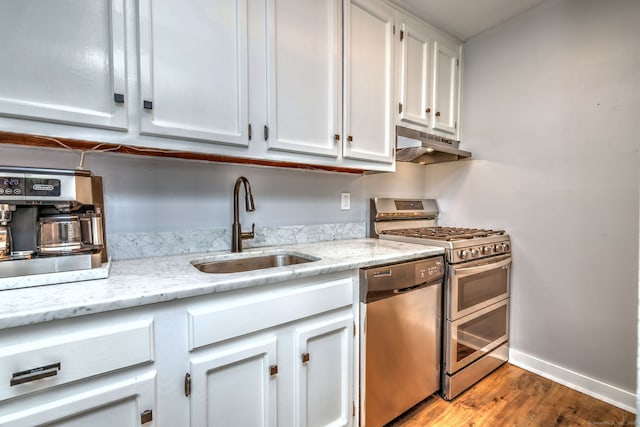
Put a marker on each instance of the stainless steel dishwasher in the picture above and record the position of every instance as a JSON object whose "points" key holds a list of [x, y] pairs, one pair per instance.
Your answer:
{"points": [[401, 307]]}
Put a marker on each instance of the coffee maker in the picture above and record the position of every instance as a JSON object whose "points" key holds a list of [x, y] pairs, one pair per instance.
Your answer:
{"points": [[51, 220]]}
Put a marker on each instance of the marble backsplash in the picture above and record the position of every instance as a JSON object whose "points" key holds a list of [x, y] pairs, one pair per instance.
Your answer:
{"points": [[123, 246]]}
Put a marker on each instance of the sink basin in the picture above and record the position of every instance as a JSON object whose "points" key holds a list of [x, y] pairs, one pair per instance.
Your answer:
{"points": [[250, 263]]}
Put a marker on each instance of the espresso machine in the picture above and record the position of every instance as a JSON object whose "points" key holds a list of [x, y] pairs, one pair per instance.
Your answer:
{"points": [[51, 220]]}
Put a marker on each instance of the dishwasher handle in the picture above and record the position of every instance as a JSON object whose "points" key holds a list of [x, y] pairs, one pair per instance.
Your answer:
{"points": [[373, 295], [386, 273], [407, 289]]}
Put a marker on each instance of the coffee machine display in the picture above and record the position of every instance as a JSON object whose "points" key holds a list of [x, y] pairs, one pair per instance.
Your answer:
{"points": [[51, 220]]}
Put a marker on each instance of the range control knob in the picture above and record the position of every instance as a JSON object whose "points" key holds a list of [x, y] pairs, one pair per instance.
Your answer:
{"points": [[463, 254], [506, 247], [498, 248], [486, 250], [474, 252]]}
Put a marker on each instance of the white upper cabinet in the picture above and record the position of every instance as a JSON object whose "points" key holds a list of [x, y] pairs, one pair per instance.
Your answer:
{"points": [[428, 78], [446, 60], [193, 70], [304, 75], [414, 72], [318, 82], [64, 61], [368, 96]]}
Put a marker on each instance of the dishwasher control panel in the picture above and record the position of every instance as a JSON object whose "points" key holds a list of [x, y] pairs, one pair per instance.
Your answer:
{"points": [[376, 282], [429, 271]]}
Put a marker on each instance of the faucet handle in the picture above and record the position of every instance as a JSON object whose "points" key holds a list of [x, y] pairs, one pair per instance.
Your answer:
{"points": [[244, 235]]}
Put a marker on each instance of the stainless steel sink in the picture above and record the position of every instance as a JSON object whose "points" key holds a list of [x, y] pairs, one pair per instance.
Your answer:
{"points": [[250, 263]]}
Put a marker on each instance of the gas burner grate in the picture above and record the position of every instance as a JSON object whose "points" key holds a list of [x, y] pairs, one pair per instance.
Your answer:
{"points": [[444, 233]]}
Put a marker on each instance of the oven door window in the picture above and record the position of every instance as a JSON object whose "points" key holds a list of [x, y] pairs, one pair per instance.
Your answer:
{"points": [[478, 334], [477, 287]]}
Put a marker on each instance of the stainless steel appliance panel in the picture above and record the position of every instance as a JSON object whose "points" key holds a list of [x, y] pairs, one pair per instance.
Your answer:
{"points": [[401, 339], [59, 234], [476, 285], [475, 335], [50, 213], [456, 384], [402, 352]]}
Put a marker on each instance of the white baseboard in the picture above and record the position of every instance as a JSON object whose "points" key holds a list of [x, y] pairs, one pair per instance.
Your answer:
{"points": [[592, 387]]}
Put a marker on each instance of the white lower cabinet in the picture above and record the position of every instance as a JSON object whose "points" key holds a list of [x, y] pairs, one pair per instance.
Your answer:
{"points": [[271, 355], [299, 374], [122, 403], [94, 371], [235, 384], [325, 371], [290, 361]]}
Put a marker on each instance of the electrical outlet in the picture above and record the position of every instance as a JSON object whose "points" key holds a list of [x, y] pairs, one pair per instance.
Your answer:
{"points": [[345, 201]]}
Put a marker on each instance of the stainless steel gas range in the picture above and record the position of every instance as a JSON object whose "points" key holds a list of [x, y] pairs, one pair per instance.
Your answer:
{"points": [[476, 292]]}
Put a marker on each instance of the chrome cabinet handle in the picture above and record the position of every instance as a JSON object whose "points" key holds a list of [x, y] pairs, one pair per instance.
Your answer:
{"points": [[34, 374]]}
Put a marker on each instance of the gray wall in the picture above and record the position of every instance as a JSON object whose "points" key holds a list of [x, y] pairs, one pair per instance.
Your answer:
{"points": [[551, 112], [150, 194]]}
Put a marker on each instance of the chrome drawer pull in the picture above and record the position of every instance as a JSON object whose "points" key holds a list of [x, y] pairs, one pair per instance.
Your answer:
{"points": [[35, 374]]}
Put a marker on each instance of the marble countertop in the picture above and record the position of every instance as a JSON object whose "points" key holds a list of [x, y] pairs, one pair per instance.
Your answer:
{"points": [[143, 281]]}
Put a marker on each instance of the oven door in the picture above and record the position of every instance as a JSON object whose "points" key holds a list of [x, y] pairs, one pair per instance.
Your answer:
{"points": [[477, 284], [473, 336]]}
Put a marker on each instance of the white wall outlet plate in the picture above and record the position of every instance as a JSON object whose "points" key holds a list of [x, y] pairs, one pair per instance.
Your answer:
{"points": [[345, 201]]}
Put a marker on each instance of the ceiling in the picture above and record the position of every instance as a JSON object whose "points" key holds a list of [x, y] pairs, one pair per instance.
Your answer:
{"points": [[466, 18]]}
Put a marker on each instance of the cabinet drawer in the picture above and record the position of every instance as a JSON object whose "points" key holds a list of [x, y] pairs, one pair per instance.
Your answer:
{"points": [[219, 321], [28, 365]]}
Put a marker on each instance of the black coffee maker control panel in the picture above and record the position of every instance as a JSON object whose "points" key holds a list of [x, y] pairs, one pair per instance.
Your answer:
{"points": [[12, 186], [30, 187]]}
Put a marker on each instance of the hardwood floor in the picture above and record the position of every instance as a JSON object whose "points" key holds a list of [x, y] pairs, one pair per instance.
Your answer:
{"points": [[511, 396]]}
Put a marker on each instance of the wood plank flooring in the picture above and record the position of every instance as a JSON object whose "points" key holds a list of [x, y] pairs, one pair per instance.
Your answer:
{"points": [[511, 396]]}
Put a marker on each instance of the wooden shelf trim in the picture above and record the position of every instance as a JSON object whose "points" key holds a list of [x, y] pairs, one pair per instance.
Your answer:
{"points": [[89, 146]]}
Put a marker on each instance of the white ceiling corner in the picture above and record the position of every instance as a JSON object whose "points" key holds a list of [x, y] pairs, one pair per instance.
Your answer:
{"points": [[464, 19]]}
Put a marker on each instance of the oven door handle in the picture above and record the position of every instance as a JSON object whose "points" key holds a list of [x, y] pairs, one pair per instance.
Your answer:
{"points": [[465, 271]]}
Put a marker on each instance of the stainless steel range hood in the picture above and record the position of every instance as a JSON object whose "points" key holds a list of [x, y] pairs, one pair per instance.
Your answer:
{"points": [[424, 148]]}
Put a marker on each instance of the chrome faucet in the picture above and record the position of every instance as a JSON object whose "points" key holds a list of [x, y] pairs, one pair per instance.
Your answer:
{"points": [[237, 235]]}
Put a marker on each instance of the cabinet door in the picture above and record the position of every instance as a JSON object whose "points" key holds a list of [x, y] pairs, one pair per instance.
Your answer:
{"points": [[235, 385], [325, 372], [414, 93], [119, 404], [63, 61], [304, 75], [369, 130], [193, 70], [445, 83]]}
